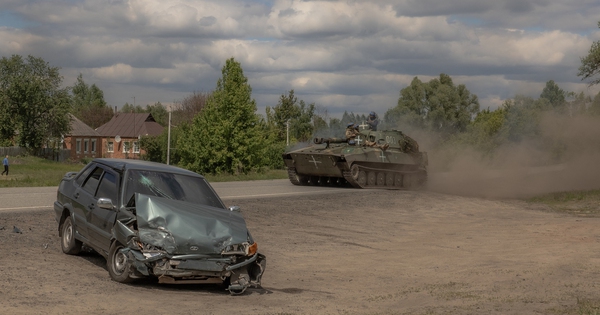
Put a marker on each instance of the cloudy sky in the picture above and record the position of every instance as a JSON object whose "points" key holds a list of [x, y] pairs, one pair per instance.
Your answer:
{"points": [[342, 55]]}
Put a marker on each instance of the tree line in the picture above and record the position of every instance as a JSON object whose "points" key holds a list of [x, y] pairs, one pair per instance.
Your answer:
{"points": [[220, 131]]}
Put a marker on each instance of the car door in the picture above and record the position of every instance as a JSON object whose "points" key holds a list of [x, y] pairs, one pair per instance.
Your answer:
{"points": [[102, 220], [80, 199]]}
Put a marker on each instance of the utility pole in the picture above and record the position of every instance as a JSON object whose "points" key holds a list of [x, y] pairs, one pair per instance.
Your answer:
{"points": [[134, 131], [169, 139]]}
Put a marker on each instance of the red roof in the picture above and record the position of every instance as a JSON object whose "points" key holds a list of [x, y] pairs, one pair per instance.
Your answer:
{"points": [[130, 125]]}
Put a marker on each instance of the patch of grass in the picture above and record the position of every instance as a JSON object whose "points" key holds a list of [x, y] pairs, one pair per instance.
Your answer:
{"points": [[269, 174], [584, 306], [30, 171], [588, 307], [578, 203]]}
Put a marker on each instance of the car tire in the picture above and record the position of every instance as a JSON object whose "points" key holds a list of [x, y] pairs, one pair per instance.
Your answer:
{"points": [[69, 244], [117, 264]]}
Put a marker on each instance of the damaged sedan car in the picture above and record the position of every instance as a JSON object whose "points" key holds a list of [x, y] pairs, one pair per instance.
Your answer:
{"points": [[154, 220]]}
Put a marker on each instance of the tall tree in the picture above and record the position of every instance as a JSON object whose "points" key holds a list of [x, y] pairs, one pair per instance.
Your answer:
{"points": [[438, 105], [159, 113], [296, 113], [590, 64], [88, 104], [226, 136], [185, 110], [32, 101], [554, 94]]}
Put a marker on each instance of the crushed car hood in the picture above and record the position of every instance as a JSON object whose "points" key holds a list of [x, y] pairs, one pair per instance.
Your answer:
{"points": [[181, 227]]}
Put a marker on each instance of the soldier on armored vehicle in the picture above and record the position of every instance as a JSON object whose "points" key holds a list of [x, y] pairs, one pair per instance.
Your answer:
{"points": [[351, 133], [367, 158]]}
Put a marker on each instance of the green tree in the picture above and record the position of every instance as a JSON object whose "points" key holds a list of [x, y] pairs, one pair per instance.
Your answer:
{"points": [[226, 136], [590, 64], [438, 105], [130, 108], [159, 113], [296, 113], [577, 104], [594, 108], [555, 95], [88, 104], [32, 101]]}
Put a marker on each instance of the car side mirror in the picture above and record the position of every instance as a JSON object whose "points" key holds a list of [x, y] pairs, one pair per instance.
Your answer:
{"points": [[105, 203], [234, 208]]}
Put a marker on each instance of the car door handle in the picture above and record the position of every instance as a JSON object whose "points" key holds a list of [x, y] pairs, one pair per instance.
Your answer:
{"points": [[76, 195], [91, 206]]}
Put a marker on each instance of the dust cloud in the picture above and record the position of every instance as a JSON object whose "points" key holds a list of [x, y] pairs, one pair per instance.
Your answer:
{"points": [[564, 156]]}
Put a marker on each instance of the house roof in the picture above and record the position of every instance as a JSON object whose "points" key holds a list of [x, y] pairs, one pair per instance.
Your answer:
{"points": [[130, 125], [80, 129]]}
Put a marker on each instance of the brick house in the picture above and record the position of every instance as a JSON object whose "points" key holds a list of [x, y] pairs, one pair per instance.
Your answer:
{"points": [[82, 141], [120, 136]]}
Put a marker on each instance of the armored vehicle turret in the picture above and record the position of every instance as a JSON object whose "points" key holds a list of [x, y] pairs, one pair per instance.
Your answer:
{"points": [[386, 159]]}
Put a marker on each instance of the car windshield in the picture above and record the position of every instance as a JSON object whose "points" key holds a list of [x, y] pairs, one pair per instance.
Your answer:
{"points": [[171, 186]]}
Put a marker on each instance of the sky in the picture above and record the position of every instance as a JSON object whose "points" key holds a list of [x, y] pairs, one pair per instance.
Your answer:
{"points": [[350, 55]]}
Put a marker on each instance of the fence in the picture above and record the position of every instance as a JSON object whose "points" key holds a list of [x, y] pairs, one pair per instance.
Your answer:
{"points": [[54, 154], [49, 154], [12, 151]]}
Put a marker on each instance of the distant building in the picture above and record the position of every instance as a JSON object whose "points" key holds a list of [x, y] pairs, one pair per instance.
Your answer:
{"points": [[82, 141], [121, 135]]}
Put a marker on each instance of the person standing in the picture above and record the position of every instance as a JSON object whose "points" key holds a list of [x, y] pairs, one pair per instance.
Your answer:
{"points": [[373, 121], [5, 163]]}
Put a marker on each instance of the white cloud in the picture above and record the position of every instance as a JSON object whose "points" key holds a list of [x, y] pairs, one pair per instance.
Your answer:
{"points": [[342, 55]]}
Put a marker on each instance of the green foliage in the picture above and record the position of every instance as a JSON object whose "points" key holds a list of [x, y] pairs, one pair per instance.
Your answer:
{"points": [[32, 101], [486, 132], [226, 137], [590, 64], [85, 95], [523, 116], [130, 108], [438, 105], [88, 104], [155, 148], [352, 118], [299, 115], [594, 108], [159, 113], [555, 95]]}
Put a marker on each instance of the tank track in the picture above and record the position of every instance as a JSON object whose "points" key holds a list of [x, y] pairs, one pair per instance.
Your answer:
{"points": [[365, 177], [304, 180], [361, 176]]}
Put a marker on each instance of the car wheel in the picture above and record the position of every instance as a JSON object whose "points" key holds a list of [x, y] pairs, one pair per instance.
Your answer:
{"points": [[68, 243], [118, 265]]}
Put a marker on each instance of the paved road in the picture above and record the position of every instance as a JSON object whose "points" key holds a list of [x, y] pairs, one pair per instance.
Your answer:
{"points": [[30, 198]]}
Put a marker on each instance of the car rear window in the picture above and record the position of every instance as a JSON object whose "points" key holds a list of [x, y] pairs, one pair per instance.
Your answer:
{"points": [[171, 186], [108, 187]]}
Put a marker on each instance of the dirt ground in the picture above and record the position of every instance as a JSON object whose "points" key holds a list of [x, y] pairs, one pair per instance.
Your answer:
{"points": [[355, 252]]}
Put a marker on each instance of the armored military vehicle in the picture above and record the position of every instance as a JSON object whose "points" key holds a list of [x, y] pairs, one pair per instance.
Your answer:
{"points": [[366, 163]]}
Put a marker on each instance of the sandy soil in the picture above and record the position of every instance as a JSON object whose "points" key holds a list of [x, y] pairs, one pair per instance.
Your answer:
{"points": [[382, 252]]}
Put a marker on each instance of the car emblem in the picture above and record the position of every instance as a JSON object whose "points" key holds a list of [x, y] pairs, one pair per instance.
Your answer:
{"points": [[193, 247]]}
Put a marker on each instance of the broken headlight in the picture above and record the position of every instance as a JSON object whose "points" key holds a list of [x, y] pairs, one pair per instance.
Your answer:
{"points": [[149, 251], [245, 249]]}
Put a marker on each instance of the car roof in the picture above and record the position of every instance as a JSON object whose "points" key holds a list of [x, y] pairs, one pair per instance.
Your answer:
{"points": [[125, 164]]}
